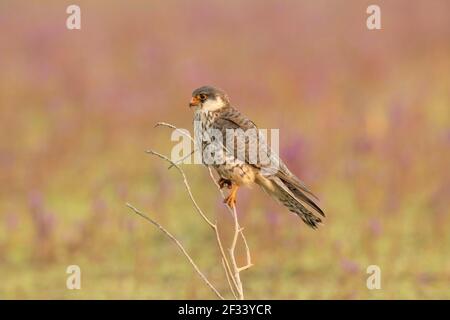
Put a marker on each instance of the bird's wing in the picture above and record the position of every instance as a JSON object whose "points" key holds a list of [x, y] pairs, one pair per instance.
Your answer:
{"points": [[292, 191], [254, 150], [231, 118]]}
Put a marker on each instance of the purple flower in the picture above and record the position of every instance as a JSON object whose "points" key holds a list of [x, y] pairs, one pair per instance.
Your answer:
{"points": [[272, 217], [349, 266], [44, 221], [11, 221], [375, 227]]}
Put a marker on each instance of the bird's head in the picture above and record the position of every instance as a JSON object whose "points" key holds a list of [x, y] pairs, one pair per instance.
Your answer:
{"points": [[208, 98]]}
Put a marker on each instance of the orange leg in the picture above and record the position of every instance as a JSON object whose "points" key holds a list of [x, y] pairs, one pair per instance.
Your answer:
{"points": [[231, 199]]}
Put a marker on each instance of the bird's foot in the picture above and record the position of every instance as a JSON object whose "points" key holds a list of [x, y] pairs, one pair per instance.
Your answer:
{"points": [[225, 183], [231, 199]]}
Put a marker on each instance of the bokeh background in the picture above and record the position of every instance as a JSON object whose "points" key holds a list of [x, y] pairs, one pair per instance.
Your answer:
{"points": [[364, 118]]}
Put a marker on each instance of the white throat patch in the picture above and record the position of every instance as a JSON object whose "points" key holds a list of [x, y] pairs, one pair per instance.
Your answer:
{"points": [[213, 105]]}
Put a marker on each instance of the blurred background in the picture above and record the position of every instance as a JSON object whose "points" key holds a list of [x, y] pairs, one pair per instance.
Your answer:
{"points": [[364, 118]]}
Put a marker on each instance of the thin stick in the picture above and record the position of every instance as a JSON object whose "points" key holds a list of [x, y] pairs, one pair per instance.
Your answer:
{"points": [[247, 252], [227, 264], [199, 210], [180, 246], [165, 124], [247, 249], [182, 159], [232, 271], [237, 275], [186, 184], [228, 279]]}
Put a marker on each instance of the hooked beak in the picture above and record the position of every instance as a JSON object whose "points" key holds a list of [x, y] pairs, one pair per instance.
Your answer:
{"points": [[194, 102]]}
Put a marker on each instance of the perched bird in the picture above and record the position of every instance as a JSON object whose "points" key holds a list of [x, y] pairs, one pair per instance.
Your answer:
{"points": [[213, 111]]}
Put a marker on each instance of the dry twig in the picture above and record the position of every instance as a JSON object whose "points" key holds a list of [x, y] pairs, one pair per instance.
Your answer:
{"points": [[231, 269], [178, 243]]}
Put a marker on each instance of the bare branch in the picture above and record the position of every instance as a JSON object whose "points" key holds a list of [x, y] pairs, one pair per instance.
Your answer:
{"points": [[237, 231], [232, 211], [199, 210], [229, 278], [182, 159], [229, 264], [188, 188], [180, 246], [164, 124], [237, 275], [247, 253], [228, 271]]}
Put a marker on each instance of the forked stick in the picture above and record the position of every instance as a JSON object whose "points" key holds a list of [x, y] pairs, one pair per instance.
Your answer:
{"points": [[237, 231], [178, 243], [232, 271]]}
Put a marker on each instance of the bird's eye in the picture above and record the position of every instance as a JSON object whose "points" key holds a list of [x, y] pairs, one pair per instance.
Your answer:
{"points": [[202, 97]]}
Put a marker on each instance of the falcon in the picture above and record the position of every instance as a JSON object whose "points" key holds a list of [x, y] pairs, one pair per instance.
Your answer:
{"points": [[214, 113]]}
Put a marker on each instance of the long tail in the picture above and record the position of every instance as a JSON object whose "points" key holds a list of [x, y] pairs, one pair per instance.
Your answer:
{"points": [[293, 194]]}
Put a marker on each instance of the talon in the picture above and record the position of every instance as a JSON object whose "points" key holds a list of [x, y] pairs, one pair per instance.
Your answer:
{"points": [[231, 199], [224, 183]]}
